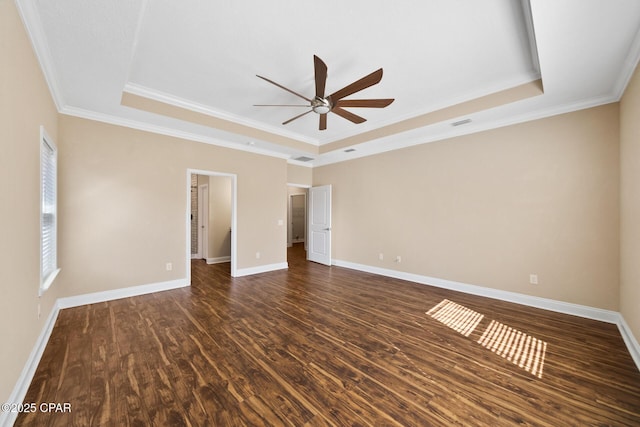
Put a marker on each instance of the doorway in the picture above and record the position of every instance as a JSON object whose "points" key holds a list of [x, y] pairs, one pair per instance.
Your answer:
{"points": [[215, 218], [297, 231], [296, 214]]}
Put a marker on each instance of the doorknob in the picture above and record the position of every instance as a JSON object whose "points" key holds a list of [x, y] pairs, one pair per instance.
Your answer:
{"points": [[327, 229]]}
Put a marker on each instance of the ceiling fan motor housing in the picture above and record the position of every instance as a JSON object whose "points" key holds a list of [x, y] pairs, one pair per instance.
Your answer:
{"points": [[321, 105]]}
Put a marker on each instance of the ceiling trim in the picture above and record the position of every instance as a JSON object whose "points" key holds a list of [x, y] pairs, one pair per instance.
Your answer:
{"points": [[170, 110], [166, 98], [427, 109], [531, 33], [33, 26], [492, 100], [161, 130], [410, 139], [630, 64]]}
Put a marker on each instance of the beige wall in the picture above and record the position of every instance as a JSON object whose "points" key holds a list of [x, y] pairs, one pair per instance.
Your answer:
{"points": [[125, 204], [25, 104], [630, 205], [219, 217], [299, 175], [490, 209]]}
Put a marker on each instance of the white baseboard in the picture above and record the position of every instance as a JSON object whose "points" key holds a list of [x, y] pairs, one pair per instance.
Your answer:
{"points": [[114, 294], [261, 269], [26, 376], [629, 340], [219, 260]]}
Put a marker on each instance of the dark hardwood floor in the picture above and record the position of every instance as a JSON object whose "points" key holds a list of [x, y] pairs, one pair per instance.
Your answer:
{"points": [[317, 345]]}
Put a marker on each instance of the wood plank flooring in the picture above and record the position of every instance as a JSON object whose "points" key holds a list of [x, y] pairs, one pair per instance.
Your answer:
{"points": [[327, 346]]}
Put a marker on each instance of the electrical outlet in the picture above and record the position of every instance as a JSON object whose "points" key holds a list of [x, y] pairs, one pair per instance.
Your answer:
{"points": [[169, 266], [257, 255], [398, 259], [533, 279], [381, 256]]}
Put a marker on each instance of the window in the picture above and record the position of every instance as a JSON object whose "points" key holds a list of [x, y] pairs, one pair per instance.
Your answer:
{"points": [[48, 211]]}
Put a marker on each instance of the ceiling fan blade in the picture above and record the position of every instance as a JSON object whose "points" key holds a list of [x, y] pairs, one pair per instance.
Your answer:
{"points": [[348, 115], [297, 117], [320, 75], [280, 105], [366, 103], [363, 83], [323, 122], [282, 87]]}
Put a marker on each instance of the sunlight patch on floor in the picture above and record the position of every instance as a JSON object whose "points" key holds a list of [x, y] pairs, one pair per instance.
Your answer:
{"points": [[517, 347], [457, 317]]}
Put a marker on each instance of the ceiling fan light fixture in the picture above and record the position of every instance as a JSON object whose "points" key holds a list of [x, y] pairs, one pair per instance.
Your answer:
{"points": [[320, 105]]}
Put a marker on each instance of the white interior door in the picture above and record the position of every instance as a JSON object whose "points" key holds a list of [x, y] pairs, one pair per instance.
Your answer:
{"points": [[319, 247]]}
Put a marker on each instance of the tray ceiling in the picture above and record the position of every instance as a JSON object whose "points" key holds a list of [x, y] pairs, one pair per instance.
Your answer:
{"points": [[189, 68]]}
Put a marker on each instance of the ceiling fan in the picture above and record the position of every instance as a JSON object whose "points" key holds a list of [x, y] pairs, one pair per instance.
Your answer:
{"points": [[334, 103]]}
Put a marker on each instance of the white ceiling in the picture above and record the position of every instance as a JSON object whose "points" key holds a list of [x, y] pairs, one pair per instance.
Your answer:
{"points": [[204, 56]]}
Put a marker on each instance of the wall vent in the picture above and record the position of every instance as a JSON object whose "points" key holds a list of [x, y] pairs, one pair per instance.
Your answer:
{"points": [[461, 122], [303, 159]]}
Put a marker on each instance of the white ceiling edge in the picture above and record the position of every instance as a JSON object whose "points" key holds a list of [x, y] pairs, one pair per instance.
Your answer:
{"points": [[169, 99], [531, 33], [630, 64], [162, 130], [411, 140], [32, 23]]}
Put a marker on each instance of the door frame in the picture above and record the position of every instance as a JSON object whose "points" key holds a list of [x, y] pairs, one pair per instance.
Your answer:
{"points": [[234, 218], [203, 221]]}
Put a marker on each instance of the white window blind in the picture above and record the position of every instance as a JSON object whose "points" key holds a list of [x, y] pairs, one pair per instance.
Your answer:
{"points": [[48, 211]]}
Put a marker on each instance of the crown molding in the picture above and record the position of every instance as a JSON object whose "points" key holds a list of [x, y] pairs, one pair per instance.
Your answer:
{"points": [[504, 85], [33, 26], [412, 137], [156, 95], [161, 130], [629, 67]]}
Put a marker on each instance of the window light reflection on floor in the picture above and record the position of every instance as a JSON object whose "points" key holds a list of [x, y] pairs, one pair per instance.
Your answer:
{"points": [[457, 317], [517, 347], [523, 350]]}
